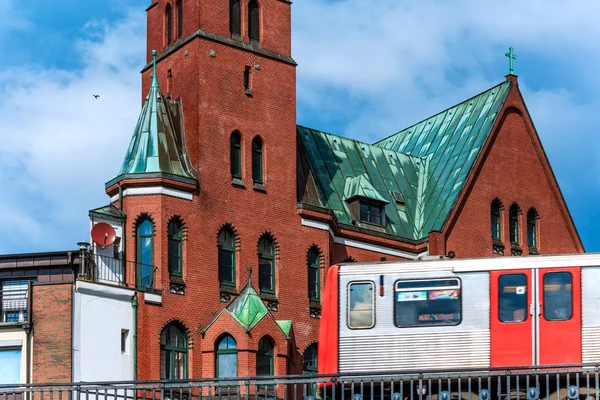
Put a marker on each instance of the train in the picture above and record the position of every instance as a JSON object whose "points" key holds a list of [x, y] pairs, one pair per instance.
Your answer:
{"points": [[449, 314]]}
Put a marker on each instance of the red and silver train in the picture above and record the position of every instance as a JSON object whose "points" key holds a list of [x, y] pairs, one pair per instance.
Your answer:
{"points": [[461, 313]]}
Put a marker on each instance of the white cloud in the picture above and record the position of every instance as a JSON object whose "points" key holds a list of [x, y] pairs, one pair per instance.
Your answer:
{"points": [[60, 144]]}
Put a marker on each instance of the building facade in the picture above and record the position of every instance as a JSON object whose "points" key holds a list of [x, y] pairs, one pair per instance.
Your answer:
{"points": [[228, 214]]}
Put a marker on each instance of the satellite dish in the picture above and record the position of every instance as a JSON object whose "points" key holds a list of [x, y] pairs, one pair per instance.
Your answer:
{"points": [[103, 234]]}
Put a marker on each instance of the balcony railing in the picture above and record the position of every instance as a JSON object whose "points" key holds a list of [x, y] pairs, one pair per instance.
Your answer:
{"points": [[14, 302], [115, 271], [558, 382]]}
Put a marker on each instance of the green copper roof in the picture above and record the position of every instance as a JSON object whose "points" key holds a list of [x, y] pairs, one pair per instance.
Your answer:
{"points": [[248, 308], [156, 145], [109, 211], [334, 159], [427, 163], [360, 186], [286, 326]]}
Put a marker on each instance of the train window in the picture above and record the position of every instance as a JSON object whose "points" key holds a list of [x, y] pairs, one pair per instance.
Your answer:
{"points": [[427, 302], [558, 296], [512, 298], [361, 305]]}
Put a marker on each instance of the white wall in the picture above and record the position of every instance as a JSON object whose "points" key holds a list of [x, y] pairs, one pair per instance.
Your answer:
{"points": [[15, 337], [100, 313]]}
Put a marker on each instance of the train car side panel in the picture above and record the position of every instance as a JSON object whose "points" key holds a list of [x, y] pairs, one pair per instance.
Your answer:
{"points": [[329, 329], [384, 346], [590, 314], [559, 316]]}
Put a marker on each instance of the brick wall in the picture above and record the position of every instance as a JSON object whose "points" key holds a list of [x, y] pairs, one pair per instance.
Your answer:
{"points": [[514, 169], [51, 315]]}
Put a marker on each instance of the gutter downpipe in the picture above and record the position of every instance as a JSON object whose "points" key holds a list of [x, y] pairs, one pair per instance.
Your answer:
{"points": [[134, 304]]}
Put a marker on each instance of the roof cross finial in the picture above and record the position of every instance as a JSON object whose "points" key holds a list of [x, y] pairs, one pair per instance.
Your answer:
{"points": [[154, 76], [511, 56]]}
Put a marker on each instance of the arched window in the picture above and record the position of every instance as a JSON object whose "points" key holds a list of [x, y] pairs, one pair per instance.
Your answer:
{"points": [[236, 155], [169, 23], [226, 257], [314, 272], [309, 360], [348, 259], [495, 213], [253, 21], [264, 357], [145, 254], [235, 19], [257, 160], [179, 18], [175, 234], [173, 353], [266, 265], [513, 216], [532, 217], [226, 360]]}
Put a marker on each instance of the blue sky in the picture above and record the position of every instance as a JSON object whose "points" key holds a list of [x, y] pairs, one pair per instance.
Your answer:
{"points": [[366, 70]]}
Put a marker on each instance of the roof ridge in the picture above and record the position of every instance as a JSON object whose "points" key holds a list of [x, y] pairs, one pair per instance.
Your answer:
{"points": [[441, 112]]}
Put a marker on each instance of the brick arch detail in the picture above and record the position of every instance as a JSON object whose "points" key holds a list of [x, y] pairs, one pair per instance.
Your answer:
{"points": [[236, 234], [319, 252], [186, 329], [182, 222], [496, 198], [535, 212], [138, 219], [519, 209], [312, 343], [271, 236], [219, 336], [348, 259]]}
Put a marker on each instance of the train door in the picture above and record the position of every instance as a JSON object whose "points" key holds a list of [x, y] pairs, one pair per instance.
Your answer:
{"points": [[512, 326], [559, 316], [535, 317]]}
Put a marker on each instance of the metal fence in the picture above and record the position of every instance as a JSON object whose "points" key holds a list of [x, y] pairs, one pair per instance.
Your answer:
{"points": [[552, 383], [115, 271]]}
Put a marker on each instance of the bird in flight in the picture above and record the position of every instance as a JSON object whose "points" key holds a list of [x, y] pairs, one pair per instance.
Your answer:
{"points": [[96, 95]]}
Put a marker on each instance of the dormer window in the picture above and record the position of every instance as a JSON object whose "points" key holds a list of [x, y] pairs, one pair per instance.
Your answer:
{"points": [[370, 213]]}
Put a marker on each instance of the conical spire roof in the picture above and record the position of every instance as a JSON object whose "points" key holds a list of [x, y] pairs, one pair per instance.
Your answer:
{"points": [[156, 146]]}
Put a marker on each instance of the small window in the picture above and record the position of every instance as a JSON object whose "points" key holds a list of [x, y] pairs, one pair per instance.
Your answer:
{"points": [[226, 257], [427, 302], [173, 353], [235, 150], [310, 360], [513, 215], [558, 296], [495, 214], [266, 265], [264, 357], [179, 18], [257, 160], [253, 21], [247, 82], [361, 305], [169, 24], [124, 336], [512, 298], [314, 272], [235, 18], [370, 213], [145, 254], [226, 359], [532, 228], [175, 237]]}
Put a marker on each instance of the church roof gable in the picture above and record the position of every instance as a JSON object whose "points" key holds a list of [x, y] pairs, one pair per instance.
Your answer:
{"points": [[427, 163]]}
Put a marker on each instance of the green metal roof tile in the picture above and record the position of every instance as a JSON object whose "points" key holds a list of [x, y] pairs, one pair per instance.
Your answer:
{"points": [[286, 326], [247, 308], [156, 146]]}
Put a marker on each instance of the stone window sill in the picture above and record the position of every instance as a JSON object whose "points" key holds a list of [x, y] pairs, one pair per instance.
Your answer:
{"points": [[314, 309], [259, 187], [515, 249], [177, 285], [271, 301], [238, 182], [497, 247]]}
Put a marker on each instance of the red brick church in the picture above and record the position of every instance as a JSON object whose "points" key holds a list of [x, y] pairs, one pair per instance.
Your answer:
{"points": [[231, 213]]}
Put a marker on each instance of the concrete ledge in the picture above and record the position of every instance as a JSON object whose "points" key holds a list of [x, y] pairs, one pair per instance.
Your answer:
{"points": [[101, 290], [153, 298]]}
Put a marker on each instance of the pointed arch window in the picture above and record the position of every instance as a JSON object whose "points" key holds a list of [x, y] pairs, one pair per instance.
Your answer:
{"points": [[236, 155], [513, 216], [226, 257], [266, 265], [145, 254], [532, 217], [264, 357], [226, 360], [314, 272], [253, 21], [257, 160], [169, 24], [235, 19], [173, 353], [175, 248], [179, 18], [495, 214]]}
